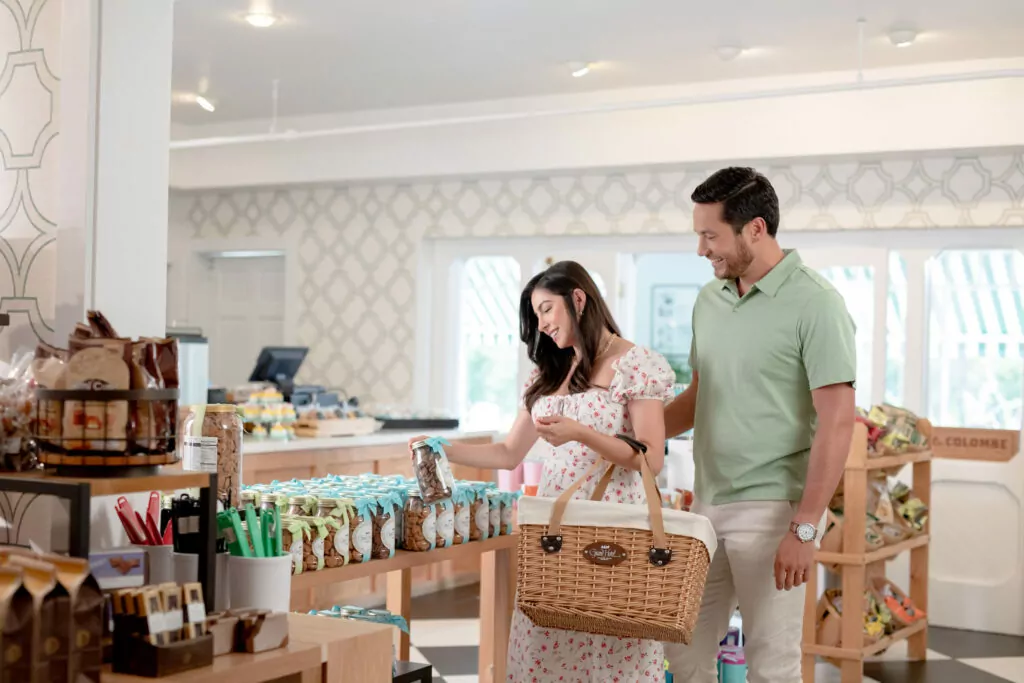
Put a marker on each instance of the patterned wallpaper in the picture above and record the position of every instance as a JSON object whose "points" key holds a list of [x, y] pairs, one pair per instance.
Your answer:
{"points": [[357, 244], [29, 93]]}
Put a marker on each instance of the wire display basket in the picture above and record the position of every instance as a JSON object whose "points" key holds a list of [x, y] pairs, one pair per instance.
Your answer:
{"points": [[105, 432]]}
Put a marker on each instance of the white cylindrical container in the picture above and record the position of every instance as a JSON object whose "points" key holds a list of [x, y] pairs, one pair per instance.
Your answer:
{"points": [[186, 570], [159, 563], [261, 582]]}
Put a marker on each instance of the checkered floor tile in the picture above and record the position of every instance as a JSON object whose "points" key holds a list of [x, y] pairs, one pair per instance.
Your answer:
{"points": [[446, 634]]}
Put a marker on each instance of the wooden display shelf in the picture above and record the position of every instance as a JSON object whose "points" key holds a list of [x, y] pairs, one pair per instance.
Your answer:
{"points": [[402, 560], [856, 568], [497, 557], [169, 480], [880, 555], [320, 650]]}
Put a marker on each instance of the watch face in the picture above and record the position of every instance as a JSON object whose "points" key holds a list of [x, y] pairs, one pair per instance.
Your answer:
{"points": [[806, 532]]}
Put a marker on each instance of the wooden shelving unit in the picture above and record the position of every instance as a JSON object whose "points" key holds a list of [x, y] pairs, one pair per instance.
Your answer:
{"points": [[856, 568]]}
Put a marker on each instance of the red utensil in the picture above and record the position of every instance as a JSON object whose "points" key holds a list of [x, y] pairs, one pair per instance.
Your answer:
{"points": [[130, 527], [153, 518], [132, 519]]}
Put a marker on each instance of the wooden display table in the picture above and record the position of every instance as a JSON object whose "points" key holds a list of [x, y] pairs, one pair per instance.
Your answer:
{"points": [[320, 650], [497, 557]]}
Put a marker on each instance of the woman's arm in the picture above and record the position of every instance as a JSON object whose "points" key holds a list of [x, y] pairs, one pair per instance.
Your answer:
{"points": [[505, 455], [648, 417], [681, 412]]}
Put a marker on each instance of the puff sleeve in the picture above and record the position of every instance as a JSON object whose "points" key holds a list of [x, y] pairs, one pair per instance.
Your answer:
{"points": [[534, 374], [642, 374]]}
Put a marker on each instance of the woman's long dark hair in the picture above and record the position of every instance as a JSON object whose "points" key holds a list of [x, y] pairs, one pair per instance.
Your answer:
{"points": [[562, 279]]}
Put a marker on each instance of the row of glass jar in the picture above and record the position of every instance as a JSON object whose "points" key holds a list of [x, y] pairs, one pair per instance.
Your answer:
{"points": [[336, 520]]}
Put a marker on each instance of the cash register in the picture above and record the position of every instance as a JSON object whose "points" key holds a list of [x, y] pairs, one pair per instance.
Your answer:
{"points": [[279, 365]]}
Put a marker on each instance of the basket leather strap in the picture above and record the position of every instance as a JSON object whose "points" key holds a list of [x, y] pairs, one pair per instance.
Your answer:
{"points": [[651, 494]]}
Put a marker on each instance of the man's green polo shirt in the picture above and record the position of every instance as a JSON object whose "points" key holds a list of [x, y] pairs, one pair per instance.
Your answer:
{"points": [[758, 358]]}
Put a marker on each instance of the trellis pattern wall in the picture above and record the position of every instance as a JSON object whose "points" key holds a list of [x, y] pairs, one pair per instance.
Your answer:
{"points": [[29, 92], [357, 244]]}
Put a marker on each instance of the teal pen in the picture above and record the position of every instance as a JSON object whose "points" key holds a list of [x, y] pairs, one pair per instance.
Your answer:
{"points": [[278, 533], [268, 540], [255, 534]]}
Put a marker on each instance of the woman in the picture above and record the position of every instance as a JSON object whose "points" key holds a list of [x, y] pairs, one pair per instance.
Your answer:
{"points": [[588, 385]]}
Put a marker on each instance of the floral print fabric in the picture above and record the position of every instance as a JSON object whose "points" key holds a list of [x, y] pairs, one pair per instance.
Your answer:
{"points": [[543, 655]]}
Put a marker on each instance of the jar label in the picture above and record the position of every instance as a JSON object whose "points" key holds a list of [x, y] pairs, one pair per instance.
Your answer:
{"points": [[495, 516], [444, 470], [483, 519], [387, 534], [445, 527], [462, 521], [506, 515], [199, 453], [430, 526], [362, 539], [341, 542], [296, 553], [318, 551]]}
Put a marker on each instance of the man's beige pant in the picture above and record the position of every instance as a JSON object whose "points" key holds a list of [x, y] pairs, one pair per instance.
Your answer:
{"points": [[743, 572]]}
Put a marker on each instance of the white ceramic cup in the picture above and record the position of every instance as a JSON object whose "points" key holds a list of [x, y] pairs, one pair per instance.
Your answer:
{"points": [[261, 582], [159, 564]]}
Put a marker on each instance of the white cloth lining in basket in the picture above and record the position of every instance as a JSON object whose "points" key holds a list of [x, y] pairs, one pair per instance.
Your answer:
{"points": [[537, 510]]}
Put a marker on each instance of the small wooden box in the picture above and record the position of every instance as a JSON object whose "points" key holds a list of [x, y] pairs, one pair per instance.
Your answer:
{"points": [[136, 657]]}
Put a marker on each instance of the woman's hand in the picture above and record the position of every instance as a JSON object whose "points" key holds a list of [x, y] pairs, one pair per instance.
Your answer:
{"points": [[558, 431]]}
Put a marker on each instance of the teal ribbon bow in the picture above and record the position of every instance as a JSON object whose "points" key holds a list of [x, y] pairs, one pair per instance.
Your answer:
{"points": [[437, 443]]}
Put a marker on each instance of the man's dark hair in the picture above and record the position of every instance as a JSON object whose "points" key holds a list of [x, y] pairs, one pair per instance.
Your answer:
{"points": [[744, 194]]}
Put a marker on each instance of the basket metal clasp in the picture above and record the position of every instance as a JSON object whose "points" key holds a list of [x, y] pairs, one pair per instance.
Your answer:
{"points": [[659, 557], [551, 544]]}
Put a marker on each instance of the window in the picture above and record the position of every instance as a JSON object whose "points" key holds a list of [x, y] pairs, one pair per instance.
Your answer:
{"points": [[666, 289], [488, 390], [857, 285], [896, 330], [976, 338]]}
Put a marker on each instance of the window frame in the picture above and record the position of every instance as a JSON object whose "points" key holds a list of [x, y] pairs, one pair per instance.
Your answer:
{"points": [[437, 312]]}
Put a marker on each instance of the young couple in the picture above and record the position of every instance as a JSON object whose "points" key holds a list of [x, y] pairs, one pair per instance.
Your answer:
{"points": [[772, 407]]}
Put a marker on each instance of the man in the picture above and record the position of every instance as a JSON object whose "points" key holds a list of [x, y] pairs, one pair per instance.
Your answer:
{"points": [[772, 408]]}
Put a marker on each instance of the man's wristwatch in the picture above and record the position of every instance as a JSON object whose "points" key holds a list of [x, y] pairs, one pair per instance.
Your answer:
{"points": [[804, 531]]}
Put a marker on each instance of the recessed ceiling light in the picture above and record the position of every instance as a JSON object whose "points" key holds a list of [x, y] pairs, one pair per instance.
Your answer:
{"points": [[261, 19], [205, 103], [902, 37], [579, 69], [727, 53]]}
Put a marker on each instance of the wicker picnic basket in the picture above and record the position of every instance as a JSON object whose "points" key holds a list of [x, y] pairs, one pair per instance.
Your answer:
{"points": [[612, 569]]}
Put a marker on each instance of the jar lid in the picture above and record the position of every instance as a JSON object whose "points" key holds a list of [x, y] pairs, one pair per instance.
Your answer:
{"points": [[419, 444], [300, 499], [222, 408]]}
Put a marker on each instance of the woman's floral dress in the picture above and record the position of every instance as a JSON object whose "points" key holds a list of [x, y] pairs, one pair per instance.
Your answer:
{"points": [[543, 655]]}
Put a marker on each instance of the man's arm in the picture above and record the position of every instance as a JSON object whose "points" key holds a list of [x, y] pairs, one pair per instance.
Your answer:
{"points": [[828, 339], [835, 406], [680, 413]]}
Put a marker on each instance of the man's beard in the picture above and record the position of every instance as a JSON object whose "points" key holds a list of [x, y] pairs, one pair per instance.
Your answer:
{"points": [[737, 264]]}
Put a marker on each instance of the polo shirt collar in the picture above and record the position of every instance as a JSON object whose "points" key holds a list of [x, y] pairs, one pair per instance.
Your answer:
{"points": [[773, 280]]}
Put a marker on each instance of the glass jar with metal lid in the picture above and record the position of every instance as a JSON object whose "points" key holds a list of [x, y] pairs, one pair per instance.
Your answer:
{"points": [[301, 505], [336, 547], [433, 474], [420, 523], [248, 496], [269, 501], [212, 442]]}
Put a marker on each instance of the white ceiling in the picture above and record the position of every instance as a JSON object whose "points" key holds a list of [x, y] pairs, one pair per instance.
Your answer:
{"points": [[346, 55]]}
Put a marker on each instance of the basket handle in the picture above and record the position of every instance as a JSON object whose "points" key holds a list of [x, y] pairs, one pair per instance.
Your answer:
{"points": [[659, 555]]}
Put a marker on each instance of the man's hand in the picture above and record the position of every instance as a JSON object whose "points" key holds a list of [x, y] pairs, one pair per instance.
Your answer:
{"points": [[558, 431], [793, 562]]}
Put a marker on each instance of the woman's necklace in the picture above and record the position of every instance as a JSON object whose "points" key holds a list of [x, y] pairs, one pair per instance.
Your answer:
{"points": [[608, 345]]}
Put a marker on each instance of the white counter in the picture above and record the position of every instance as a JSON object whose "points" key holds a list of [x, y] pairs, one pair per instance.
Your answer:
{"points": [[383, 438]]}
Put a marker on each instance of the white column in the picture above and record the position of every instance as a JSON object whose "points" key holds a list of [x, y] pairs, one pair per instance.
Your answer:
{"points": [[115, 122], [112, 188]]}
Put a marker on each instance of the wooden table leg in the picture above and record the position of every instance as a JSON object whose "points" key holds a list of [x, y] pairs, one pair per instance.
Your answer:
{"points": [[399, 601], [497, 595]]}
